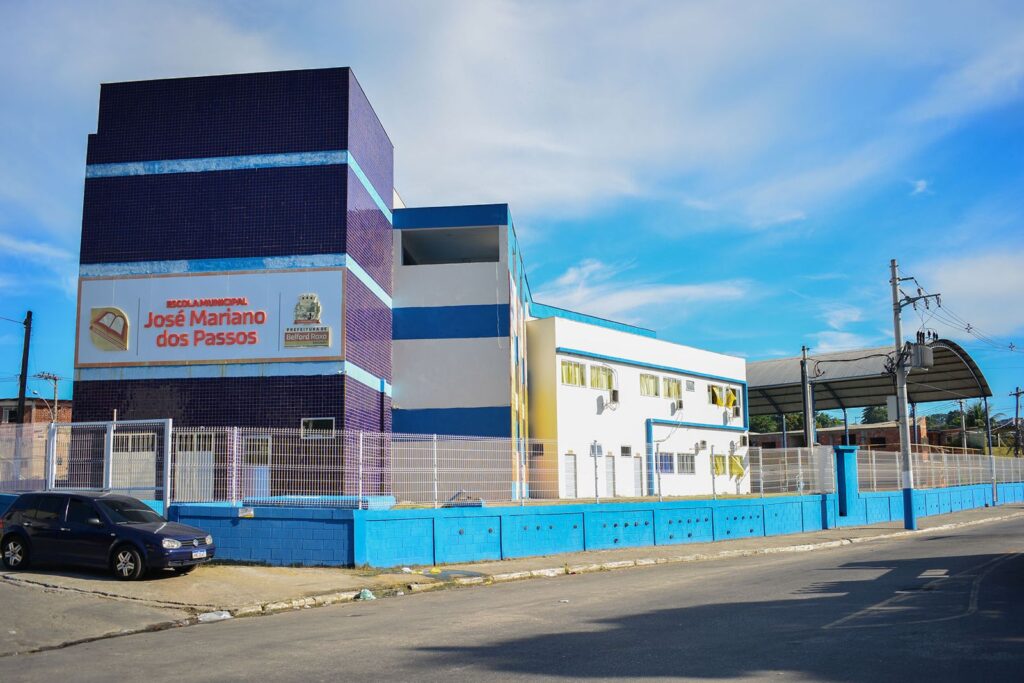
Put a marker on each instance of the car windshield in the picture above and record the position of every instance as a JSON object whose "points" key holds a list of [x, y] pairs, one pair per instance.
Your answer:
{"points": [[129, 512]]}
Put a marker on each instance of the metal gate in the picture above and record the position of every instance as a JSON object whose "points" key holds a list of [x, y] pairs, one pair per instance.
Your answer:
{"points": [[127, 456], [194, 467], [569, 465], [256, 464]]}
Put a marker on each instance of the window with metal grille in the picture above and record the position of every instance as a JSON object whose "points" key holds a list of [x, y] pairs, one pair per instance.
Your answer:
{"points": [[686, 463]]}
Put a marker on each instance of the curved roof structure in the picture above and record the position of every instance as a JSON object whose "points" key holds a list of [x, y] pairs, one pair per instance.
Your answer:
{"points": [[855, 379]]}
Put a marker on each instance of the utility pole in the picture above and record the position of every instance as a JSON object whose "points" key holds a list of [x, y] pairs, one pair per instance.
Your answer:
{"points": [[808, 397], [54, 379], [963, 427], [902, 370], [24, 367], [1016, 424]]}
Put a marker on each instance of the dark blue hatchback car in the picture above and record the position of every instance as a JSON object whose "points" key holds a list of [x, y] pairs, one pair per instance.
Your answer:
{"points": [[98, 530]]}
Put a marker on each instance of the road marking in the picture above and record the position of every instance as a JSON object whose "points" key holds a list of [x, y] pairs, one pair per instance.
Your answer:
{"points": [[889, 603]]}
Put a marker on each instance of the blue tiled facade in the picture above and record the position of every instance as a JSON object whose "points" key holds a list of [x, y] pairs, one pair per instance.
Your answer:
{"points": [[219, 192]]}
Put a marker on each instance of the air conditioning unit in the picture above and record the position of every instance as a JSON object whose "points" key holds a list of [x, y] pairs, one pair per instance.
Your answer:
{"points": [[701, 445], [614, 397], [676, 406]]}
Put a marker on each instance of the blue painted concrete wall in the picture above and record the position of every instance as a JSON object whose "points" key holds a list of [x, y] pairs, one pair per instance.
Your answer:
{"points": [[387, 538], [409, 537], [275, 535]]}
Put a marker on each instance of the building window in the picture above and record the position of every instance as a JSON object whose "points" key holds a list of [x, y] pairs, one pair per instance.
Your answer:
{"points": [[691, 385], [716, 395], [600, 378], [318, 428], [665, 463], [626, 451], [649, 385], [673, 388], [574, 374], [686, 463], [10, 415], [732, 400], [744, 440]]}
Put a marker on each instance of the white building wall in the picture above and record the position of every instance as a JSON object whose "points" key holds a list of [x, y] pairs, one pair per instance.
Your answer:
{"points": [[451, 373], [582, 415], [447, 373]]}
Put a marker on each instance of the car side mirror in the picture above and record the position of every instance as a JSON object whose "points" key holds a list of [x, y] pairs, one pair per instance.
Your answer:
{"points": [[94, 521]]}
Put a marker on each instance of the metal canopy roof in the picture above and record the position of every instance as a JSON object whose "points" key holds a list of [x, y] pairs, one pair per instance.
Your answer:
{"points": [[855, 379]]}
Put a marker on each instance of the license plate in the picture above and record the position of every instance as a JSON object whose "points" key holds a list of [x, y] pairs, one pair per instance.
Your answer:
{"points": [[198, 554]]}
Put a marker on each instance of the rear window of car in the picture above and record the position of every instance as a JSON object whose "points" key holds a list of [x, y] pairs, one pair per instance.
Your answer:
{"points": [[129, 511]]}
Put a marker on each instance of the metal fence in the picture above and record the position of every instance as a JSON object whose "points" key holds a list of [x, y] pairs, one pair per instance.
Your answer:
{"points": [[256, 466], [792, 470]]}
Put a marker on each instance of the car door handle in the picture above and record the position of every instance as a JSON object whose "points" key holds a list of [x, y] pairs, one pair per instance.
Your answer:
{"points": [[64, 528]]}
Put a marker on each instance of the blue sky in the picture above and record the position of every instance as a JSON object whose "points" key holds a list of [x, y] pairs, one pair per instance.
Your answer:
{"points": [[735, 175]]}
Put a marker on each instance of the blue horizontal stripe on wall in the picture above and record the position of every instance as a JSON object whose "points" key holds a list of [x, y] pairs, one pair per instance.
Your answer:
{"points": [[544, 311], [496, 421], [236, 163], [451, 322], [451, 216]]}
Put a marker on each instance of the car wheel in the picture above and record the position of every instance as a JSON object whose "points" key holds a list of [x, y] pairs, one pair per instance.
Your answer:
{"points": [[185, 570], [127, 563], [15, 552]]}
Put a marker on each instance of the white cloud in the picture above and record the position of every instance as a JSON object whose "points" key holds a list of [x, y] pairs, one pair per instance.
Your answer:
{"points": [[918, 187], [596, 288], [764, 112], [834, 340], [35, 251], [839, 315], [982, 288]]}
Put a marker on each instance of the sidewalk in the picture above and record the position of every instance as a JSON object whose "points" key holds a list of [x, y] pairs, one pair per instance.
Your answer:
{"points": [[253, 590]]}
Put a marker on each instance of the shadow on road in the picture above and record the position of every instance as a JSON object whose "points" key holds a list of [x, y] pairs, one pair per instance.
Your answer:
{"points": [[887, 620]]}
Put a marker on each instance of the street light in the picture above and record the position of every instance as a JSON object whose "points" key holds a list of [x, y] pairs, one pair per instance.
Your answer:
{"points": [[53, 415]]}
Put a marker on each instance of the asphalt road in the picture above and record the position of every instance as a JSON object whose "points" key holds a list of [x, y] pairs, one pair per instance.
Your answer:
{"points": [[938, 607]]}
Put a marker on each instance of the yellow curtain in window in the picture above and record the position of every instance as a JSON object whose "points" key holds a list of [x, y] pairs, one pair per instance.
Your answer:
{"points": [[719, 465], [716, 396], [732, 397], [572, 373], [673, 388], [648, 385], [736, 466], [600, 378]]}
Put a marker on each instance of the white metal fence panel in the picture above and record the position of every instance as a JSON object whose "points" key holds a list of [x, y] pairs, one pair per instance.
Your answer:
{"points": [[23, 457], [792, 470]]}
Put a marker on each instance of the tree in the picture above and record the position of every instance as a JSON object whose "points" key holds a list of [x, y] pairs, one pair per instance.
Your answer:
{"points": [[874, 414], [764, 424], [826, 420]]}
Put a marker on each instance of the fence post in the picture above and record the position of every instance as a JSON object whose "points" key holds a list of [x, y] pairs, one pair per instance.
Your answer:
{"points": [[434, 449], [800, 470], [168, 464], [593, 456], [233, 458], [51, 457], [657, 469], [359, 499], [711, 461], [760, 469], [108, 456], [522, 473], [874, 475]]}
